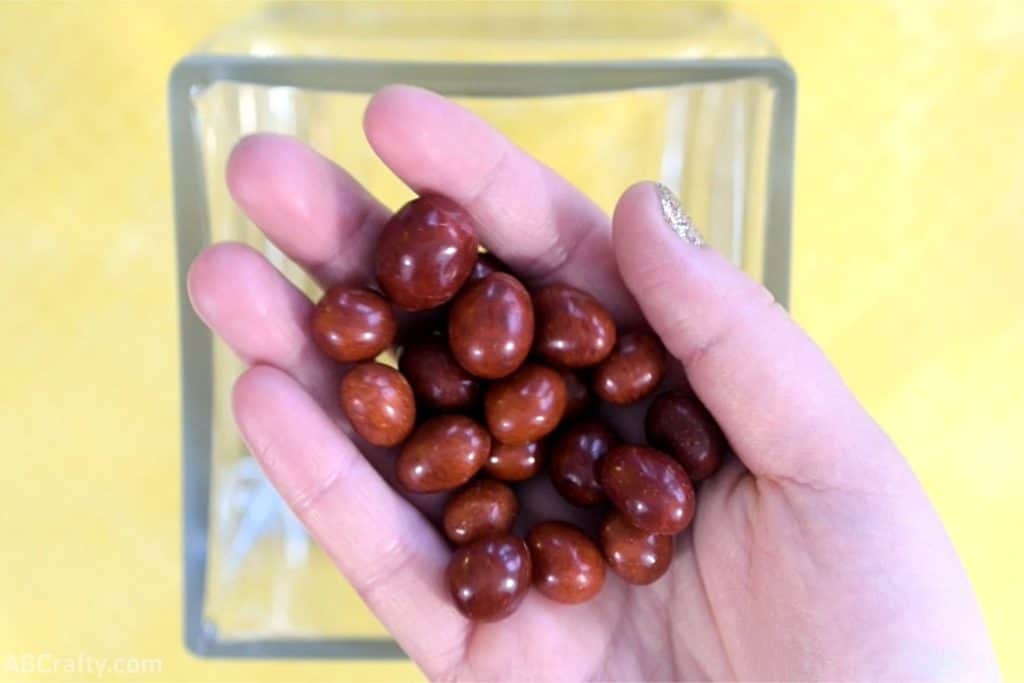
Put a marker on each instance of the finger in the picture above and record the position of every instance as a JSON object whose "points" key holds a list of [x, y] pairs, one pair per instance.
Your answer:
{"points": [[782, 405], [383, 546], [533, 219], [261, 316], [315, 212], [264, 319]]}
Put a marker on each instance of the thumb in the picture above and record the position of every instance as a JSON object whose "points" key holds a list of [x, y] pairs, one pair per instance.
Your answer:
{"points": [[783, 407]]}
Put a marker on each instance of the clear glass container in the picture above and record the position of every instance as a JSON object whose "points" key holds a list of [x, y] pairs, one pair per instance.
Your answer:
{"points": [[606, 93]]}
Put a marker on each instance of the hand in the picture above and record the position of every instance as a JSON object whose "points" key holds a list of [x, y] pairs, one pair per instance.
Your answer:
{"points": [[814, 554]]}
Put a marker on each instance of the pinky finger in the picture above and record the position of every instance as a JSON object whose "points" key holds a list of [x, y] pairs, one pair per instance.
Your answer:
{"points": [[384, 547]]}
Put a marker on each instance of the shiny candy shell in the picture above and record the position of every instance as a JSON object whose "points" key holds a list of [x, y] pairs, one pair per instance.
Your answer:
{"points": [[681, 426], [573, 329], [489, 577], [639, 557], [648, 487], [490, 326], [633, 370], [574, 459], [567, 565], [442, 454], [437, 380], [378, 403], [526, 406], [484, 507], [426, 252], [515, 463], [353, 324]]}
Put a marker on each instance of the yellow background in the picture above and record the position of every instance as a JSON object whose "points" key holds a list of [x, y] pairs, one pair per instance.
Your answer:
{"points": [[908, 247]]}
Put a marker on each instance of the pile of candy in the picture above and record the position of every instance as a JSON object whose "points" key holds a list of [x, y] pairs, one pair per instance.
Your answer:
{"points": [[495, 381]]}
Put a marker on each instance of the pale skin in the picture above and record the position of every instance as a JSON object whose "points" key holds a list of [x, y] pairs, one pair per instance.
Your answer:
{"points": [[815, 553]]}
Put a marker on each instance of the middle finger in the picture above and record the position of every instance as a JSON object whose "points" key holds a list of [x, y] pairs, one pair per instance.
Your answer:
{"points": [[528, 215]]}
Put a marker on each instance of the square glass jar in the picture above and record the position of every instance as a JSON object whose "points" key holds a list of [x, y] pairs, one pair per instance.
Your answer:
{"points": [[606, 93]]}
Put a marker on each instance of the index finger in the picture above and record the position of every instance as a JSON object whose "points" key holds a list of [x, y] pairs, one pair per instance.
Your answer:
{"points": [[307, 205]]}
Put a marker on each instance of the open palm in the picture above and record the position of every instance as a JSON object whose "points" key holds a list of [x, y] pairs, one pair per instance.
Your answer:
{"points": [[814, 553]]}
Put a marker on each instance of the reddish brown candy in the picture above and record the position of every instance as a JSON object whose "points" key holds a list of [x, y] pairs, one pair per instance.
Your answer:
{"points": [[437, 380], [567, 566], [525, 407], [490, 327], [486, 263], [442, 454], [425, 252], [633, 369], [573, 328], [648, 487], [489, 577], [379, 404], [682, 427], [638, 556], [352, 324], [515, 463], [574, 461], [482, 508], [578, 397]]}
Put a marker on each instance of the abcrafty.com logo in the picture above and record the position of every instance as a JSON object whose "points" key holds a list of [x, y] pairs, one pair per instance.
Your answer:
{"points": [[80, 665]]}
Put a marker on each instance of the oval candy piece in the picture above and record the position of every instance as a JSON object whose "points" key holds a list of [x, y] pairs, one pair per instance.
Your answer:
{"points": [[353, 324], [489, 577], [490, 326], [378, 403], [425, 252], [442, 454], [648, 487], [633, 370], [526, 406], [573, 330], [567, 565], [436, 378], [574, 459], [482, 508], [515, 463], [681, 426], [639, 557]]}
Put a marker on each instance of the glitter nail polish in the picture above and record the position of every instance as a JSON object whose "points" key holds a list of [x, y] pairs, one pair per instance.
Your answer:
{"points": [[676, 218]]}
